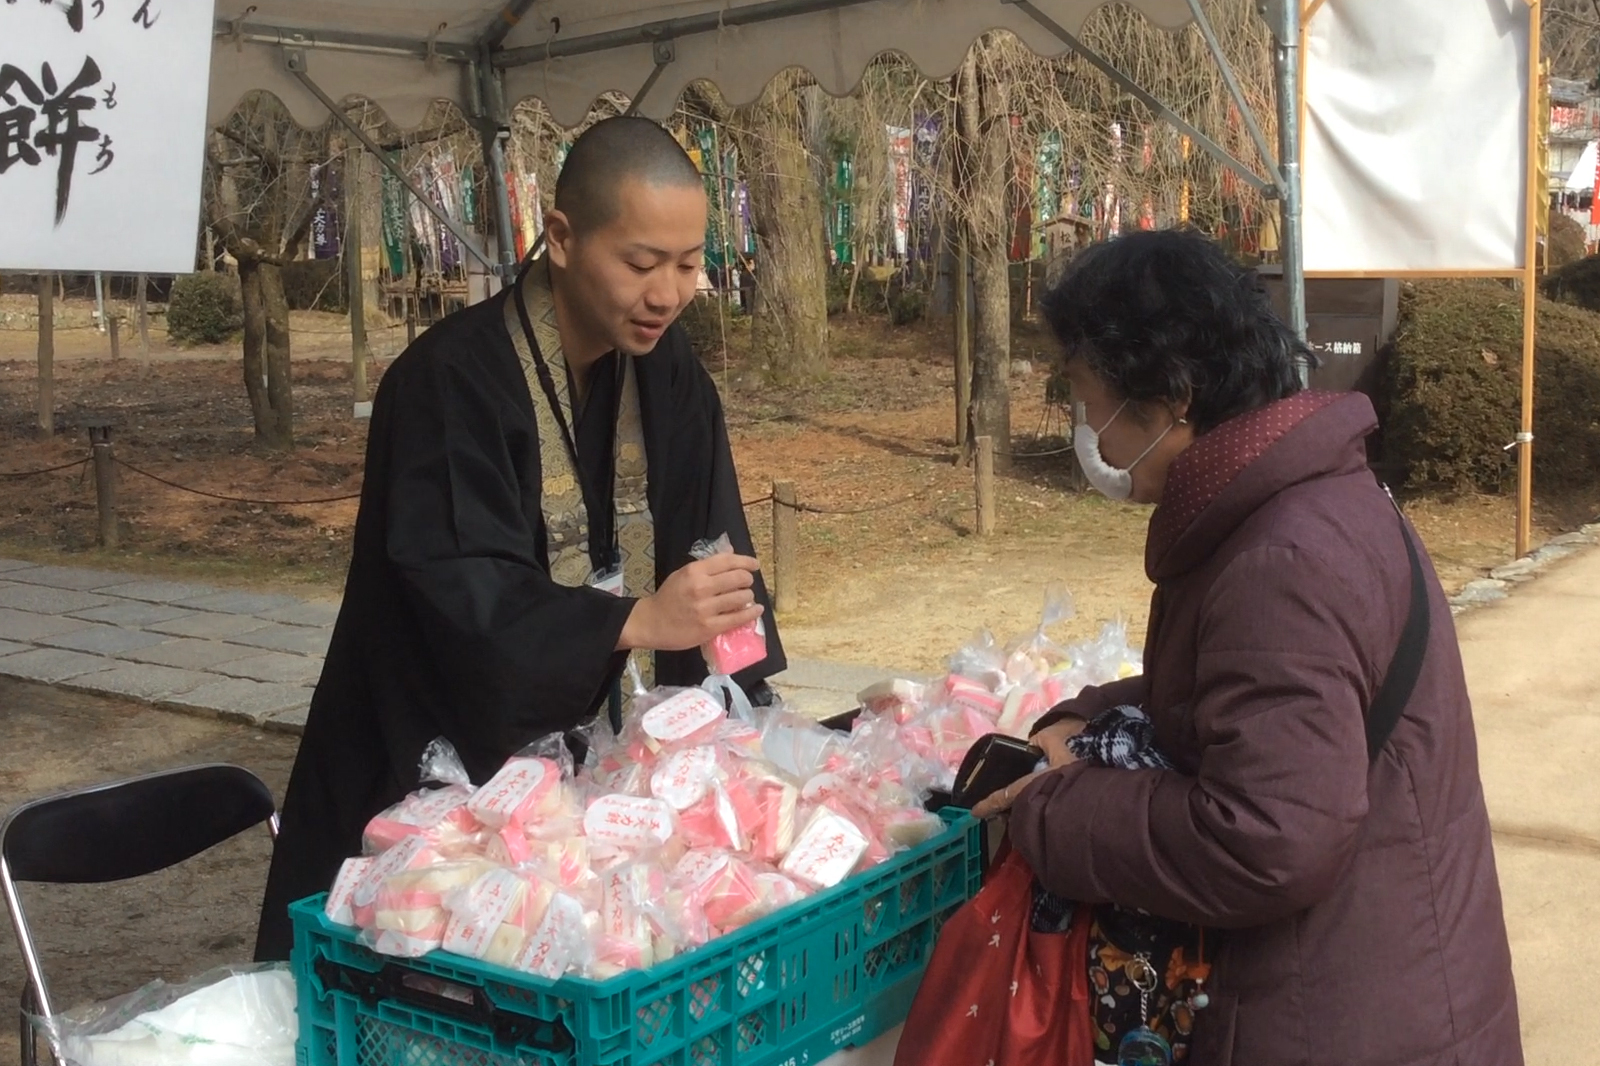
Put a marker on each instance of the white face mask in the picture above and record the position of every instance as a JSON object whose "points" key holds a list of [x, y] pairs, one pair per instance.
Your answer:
{"points": [[1112, 482]]}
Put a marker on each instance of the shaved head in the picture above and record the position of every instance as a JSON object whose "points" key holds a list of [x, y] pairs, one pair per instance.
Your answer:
{"points": [[610, 154]]}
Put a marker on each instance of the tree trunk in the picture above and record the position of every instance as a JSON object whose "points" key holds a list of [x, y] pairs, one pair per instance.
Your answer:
{"points": [[47, 355], [280, 390], [984, 127], [266, 352], [356, 293], [790, 328], [255, 333]]}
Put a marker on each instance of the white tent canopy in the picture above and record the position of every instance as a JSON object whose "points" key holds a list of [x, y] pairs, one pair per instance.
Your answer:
{"points": [[568, 52]]}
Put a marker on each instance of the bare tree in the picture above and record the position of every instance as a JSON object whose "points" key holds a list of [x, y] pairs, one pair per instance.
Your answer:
{"points": [[259, 202], [982, 160], [789, 334]]}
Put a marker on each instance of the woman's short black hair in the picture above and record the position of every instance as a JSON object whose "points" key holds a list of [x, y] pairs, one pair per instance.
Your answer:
{"points": [[1168, 316]]}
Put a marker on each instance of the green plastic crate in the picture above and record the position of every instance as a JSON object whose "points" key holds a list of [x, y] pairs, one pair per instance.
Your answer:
{"points": [[834, 971]]}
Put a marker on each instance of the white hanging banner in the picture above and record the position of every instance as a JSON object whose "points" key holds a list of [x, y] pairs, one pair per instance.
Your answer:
{"points": [[102, 133], [1416, 136]]}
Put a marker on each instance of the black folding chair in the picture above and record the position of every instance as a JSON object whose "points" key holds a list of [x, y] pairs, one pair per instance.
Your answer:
{"points": [[115, 832]]}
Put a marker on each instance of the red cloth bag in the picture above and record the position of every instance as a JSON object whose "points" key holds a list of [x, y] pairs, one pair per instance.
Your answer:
{"points": [[998, 993]]}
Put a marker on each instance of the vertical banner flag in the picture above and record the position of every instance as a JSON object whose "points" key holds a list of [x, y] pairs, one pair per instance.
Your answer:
{"points": [[843, 215], [394, 221], [900, 179]]}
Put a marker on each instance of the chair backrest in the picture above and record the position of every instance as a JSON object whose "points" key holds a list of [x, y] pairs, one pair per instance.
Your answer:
{"points": [[122, 830], [131, 828]]}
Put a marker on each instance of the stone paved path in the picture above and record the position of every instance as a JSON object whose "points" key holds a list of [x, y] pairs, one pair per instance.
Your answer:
{"points": [[239, 655], [245, 656]]}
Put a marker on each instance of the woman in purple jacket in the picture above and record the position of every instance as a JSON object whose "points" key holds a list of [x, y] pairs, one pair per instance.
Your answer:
{"points": [[1351, 908]]}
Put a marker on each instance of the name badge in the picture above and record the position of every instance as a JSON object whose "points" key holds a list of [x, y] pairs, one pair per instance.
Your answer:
{"points": [[608, 581]]}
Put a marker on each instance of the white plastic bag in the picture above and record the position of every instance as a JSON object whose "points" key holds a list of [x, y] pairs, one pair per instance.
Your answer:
{"points": [[234, 1016]]}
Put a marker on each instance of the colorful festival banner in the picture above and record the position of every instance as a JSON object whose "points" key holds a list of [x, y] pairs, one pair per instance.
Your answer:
{"points": [[841, 220], [1047, 187], [900, 187], [394, 221]]}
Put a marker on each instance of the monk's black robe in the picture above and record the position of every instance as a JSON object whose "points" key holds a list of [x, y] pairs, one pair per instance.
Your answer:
{"points": [[451, 625]]}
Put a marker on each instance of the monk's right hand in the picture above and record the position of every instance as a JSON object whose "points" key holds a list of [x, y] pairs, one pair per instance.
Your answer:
{"points": [[703, 600]]}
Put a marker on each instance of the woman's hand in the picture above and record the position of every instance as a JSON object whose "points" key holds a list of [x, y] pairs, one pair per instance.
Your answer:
{"points": [[1000, 802], [1052, 740]]}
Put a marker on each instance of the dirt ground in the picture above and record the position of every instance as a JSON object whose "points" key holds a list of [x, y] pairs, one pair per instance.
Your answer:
{"points": [[98, 941], [903, 584]]}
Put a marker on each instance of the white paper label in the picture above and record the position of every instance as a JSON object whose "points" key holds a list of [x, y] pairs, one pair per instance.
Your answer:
{"points": [[427, 809], [339, 906], [489, 902], [552, 946], [698, 867], [682, 715], [683, 777], [395, 860], [826, 852], [498, 800], [629, 821]]}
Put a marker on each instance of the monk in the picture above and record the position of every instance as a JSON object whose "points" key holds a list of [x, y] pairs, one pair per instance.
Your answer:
{"points": [[538, 469]]}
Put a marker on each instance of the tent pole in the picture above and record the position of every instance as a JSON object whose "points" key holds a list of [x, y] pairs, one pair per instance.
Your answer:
{"points": [[510, 15], [1134, 89], [1246, 112], [1291, 242], [1530, 287], [295, 62], [495, 129]]}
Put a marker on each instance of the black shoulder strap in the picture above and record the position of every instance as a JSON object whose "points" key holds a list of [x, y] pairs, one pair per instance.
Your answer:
{"points": [[1406, 666]]}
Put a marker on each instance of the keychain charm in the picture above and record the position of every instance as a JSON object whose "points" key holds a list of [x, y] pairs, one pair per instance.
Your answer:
{"points": [[1143, 1046]]}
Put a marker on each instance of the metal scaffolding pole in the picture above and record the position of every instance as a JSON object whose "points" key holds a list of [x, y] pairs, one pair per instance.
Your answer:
{"points": [[295, 62], [1291, 241]]}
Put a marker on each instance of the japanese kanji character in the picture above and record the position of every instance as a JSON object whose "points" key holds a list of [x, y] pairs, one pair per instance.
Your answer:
{"points": [[143, 16], [16, 133], [61, 109], [110, 98]]}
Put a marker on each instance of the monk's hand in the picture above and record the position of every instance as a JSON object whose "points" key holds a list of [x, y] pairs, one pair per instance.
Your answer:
{"points": [[1052, 740], [703, 600], [1000, 802]]}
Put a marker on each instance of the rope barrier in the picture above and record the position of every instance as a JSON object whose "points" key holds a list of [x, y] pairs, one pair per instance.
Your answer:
{"points": [[237, 499], [20, 474]]}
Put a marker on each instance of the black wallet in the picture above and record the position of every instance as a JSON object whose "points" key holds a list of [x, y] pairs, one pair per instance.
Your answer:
{"points": [[991, 764]]}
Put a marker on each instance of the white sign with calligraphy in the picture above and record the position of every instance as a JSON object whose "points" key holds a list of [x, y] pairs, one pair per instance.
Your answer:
{"points": [[102, 133]]}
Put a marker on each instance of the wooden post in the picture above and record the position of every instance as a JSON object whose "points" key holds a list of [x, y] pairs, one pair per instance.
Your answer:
{"points": [[47, 355], [105, 481], [963, 337], [1530, 290], [114, 329], [785, 546], [985, 486], [355, 292], [141, 307]]}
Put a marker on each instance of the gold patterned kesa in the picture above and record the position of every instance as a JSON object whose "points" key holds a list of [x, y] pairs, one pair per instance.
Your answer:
{"points": [[566, 517]]}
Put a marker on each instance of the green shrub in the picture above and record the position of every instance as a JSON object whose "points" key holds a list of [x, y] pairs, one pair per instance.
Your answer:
{"points": [[907, 306], [1451, 392], [204, 308], [315, 285]]}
